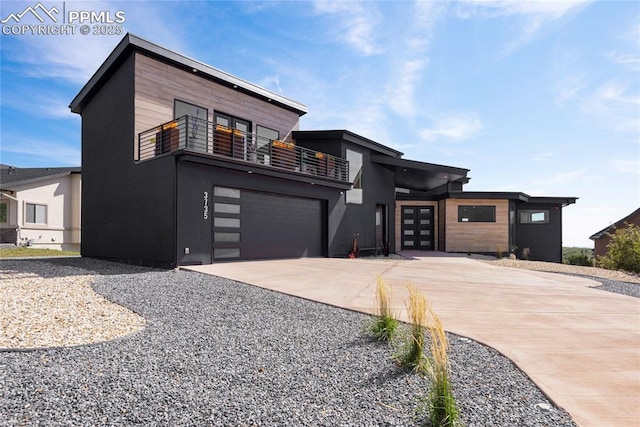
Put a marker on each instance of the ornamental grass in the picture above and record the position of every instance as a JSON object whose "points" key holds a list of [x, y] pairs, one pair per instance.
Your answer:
{"points": [[386, 324]]}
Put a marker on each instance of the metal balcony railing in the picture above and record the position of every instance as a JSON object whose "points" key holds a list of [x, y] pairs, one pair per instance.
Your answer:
{"points": [[198, 135]]}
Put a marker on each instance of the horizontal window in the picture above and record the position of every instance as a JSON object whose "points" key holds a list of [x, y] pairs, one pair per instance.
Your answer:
{"points": [[226, 222], [226, 208], [476, 213], [35, 214], [232, 193], [534, 217], [226, 237], [226, 253]]}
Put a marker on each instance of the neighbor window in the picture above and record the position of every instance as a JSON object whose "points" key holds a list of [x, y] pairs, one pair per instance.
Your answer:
{"points": [[36, 214], [355, 176], [3, 212], [476, 213], [534, 217]]}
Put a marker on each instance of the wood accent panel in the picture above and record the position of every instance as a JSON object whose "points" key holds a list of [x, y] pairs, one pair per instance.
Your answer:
{"points": [[488, 237], [398, 220], [157, 85]]}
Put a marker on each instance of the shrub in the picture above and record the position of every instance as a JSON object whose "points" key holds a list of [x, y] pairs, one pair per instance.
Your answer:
{"points": [[526, 253], [443, 411], [386, 324], [623, 252], [580, 259], [412, 356]]}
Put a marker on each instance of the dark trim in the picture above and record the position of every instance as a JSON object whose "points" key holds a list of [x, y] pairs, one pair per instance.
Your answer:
{"points": [[230, 163], [518, 197], [347, 136], [131, 43]]}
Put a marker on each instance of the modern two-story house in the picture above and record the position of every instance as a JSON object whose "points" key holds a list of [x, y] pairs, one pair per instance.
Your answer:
{"points": [[185, 164]]}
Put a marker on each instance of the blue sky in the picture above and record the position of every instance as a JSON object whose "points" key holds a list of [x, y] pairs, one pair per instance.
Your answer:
{"points": [[537, 97]]}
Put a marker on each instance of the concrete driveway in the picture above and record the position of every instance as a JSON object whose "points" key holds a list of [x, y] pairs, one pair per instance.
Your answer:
{"points": [[580, 345]]}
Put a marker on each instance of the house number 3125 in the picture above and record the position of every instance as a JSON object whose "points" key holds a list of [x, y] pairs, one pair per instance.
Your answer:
{"points": [[205, 213]]}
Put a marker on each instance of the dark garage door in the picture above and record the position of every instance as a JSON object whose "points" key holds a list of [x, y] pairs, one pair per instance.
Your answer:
{"points": [[270, 226]]}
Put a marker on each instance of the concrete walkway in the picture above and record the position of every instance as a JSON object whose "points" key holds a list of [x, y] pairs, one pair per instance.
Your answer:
{"points": [[581, 346]]}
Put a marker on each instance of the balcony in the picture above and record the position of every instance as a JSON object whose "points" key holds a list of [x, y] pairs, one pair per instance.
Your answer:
{"points": [[197, 135]]}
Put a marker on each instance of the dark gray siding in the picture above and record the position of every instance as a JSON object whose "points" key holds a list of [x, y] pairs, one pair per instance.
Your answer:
{"points": [[544, 240], [128, 209], [195, 232], [349, 219], [378, 188]]}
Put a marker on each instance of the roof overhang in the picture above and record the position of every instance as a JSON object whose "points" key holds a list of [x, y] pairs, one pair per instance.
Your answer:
{"points": [[131, 43], [420, 176], [510, 195]]}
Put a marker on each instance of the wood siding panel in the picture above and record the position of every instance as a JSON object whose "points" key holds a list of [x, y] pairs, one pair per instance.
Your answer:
{"points": [[487, 237], [157, 85], [398, 220]]}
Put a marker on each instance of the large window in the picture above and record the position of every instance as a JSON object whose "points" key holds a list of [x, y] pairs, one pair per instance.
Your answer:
{"points": [[468, 213], [198, 116], [35, 214], [3, 212], [355, 176], [534, 217]]}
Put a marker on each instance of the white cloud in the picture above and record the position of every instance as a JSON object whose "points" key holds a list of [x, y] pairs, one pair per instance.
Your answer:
{"points": [[452, 127], [630, 59], [272, 83], [569, 87], [534, 15], [542, 156], [401, 91], [629, 166], [355, 24], [615, 104], [42, 152]]}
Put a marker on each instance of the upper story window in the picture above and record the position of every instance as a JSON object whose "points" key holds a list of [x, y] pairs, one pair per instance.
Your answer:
{"points": [[474, 213], [533, 216], [35, 214], [355, 176], [197, 121], [3, 212]]}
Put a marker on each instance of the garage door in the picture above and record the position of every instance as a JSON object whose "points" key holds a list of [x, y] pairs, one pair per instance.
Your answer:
{"points": [[255, 225]]}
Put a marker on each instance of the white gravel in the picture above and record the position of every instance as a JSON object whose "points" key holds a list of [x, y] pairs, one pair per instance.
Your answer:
{"points": [[48, 305]]}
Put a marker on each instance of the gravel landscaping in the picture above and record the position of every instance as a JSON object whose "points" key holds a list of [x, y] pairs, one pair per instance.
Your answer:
{"points": [[217, 352]]}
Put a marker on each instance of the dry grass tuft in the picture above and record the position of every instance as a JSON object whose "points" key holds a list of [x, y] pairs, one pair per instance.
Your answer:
{"points": [[385, 326]]}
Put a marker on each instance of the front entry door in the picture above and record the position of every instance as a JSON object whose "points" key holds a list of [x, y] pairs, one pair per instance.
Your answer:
{"points": [[417, 228]]}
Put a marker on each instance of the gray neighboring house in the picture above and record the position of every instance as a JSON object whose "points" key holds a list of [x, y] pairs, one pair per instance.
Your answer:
{"points": [[40, 207]]}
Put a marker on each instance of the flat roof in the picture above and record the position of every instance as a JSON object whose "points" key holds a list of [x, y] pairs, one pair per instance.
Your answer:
{"points": [[348, 136], [131, 43], [512, 195]]}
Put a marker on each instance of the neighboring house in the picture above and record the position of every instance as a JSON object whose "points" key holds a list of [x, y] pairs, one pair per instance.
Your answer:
{"points": [[40, 207], [185, 164], [602, 238]]}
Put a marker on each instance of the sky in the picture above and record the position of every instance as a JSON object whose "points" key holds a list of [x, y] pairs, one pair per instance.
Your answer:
{"points": [[539, 97]]}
